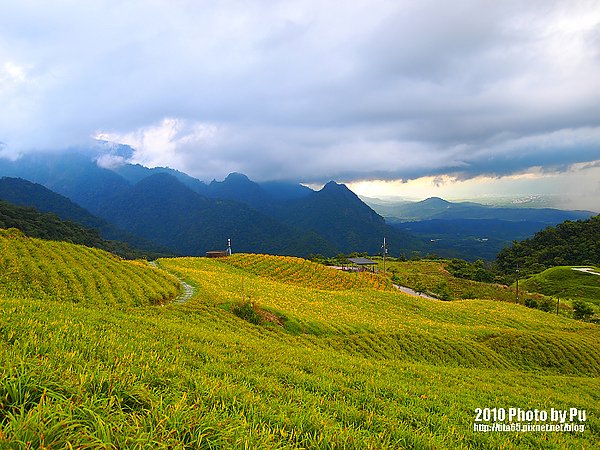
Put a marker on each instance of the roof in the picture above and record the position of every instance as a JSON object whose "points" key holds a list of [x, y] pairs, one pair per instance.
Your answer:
{"points": [[361, 261], [216, 253]]}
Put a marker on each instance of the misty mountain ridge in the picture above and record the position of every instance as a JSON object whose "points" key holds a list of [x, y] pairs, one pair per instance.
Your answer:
{"points": [[437, 208], [163, 209], [189, 216], [23, 193]]}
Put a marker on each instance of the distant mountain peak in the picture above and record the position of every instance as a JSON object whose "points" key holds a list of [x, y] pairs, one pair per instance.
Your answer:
{"points": [[436, 200], [233, 179], [236, 176], [332, 186]]}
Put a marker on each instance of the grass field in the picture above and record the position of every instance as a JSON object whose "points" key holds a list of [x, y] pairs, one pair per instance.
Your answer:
{"points": [[51, 270], [432, 277], [346, 368], [566, 283]]}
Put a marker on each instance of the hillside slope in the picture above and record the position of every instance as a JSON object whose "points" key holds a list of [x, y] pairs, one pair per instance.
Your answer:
{"points": [[59, 271], [25, 193], [48, 226], [74, 175], [567, 244], [566, 283], [339, 369], [444, 328], [337, 214], [163, 209]]}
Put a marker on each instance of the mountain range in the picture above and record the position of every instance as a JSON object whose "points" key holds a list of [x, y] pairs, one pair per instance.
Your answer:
{"points": [[162, 208], [469, 230], [180, 213], [440, 209]]}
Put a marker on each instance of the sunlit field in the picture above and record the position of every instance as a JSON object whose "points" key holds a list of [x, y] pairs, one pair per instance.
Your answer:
{"points": [[95, 353]]}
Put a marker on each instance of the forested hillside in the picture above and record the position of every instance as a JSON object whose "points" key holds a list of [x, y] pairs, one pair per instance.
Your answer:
{"points": [[567, 244], [49, 226], [20, 192], [164, 210]]}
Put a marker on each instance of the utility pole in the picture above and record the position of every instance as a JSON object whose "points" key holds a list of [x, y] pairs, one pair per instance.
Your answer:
{"points": [[384, 251], [517, 298], [243, 293]]}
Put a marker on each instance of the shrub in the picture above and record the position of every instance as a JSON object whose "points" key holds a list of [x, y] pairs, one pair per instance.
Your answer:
{"points": [[582, 310], [246, 311], [531, 303], [547, 304], [442, 292]]}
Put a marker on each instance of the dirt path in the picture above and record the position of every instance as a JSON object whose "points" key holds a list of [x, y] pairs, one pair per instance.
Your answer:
{"points": [[188, 290]]}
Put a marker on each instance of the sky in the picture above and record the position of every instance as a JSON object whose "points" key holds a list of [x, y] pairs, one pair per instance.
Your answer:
{"points": [[395, 98]]}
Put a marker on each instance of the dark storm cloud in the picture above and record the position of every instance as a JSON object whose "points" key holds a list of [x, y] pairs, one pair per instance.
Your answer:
{"points": [[308, 90]]}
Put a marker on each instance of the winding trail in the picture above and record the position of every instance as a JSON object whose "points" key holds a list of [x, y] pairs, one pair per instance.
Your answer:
{"points": [[188, 290]]}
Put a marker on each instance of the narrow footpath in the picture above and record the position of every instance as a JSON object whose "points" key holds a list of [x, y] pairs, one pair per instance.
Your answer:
{"points": [[188, 290]]}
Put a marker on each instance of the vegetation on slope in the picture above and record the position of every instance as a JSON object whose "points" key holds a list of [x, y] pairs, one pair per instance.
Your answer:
{"points": [[50, 270], [49, 226], [362, 369], [164, 210], [17, 191], [433, 277], [388, 324], [567, 244], [566, 283], [302, 272]]}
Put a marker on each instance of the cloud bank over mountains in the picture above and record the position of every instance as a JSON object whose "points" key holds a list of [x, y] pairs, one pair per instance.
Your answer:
{"points": [[308, 90]]}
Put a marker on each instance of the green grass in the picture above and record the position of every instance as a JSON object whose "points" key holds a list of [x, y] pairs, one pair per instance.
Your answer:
{"points": [[52, 270], [363, 368], [566, 283], [432, 277], [301, 272]]}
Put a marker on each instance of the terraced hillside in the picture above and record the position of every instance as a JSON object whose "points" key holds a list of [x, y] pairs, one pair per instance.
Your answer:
{"points": [[389, 325], [302, 272], [327, 367], [53, 270]]}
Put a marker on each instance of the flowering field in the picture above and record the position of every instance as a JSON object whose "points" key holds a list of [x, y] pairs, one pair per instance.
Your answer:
{"points": [[301, 272], [360, 368], [50, 270]]}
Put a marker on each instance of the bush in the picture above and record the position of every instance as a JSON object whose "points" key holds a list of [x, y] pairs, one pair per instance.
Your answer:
{"points": [[246, 311], [582, 310], [442, 292], [547, 304], [531, 303]]}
